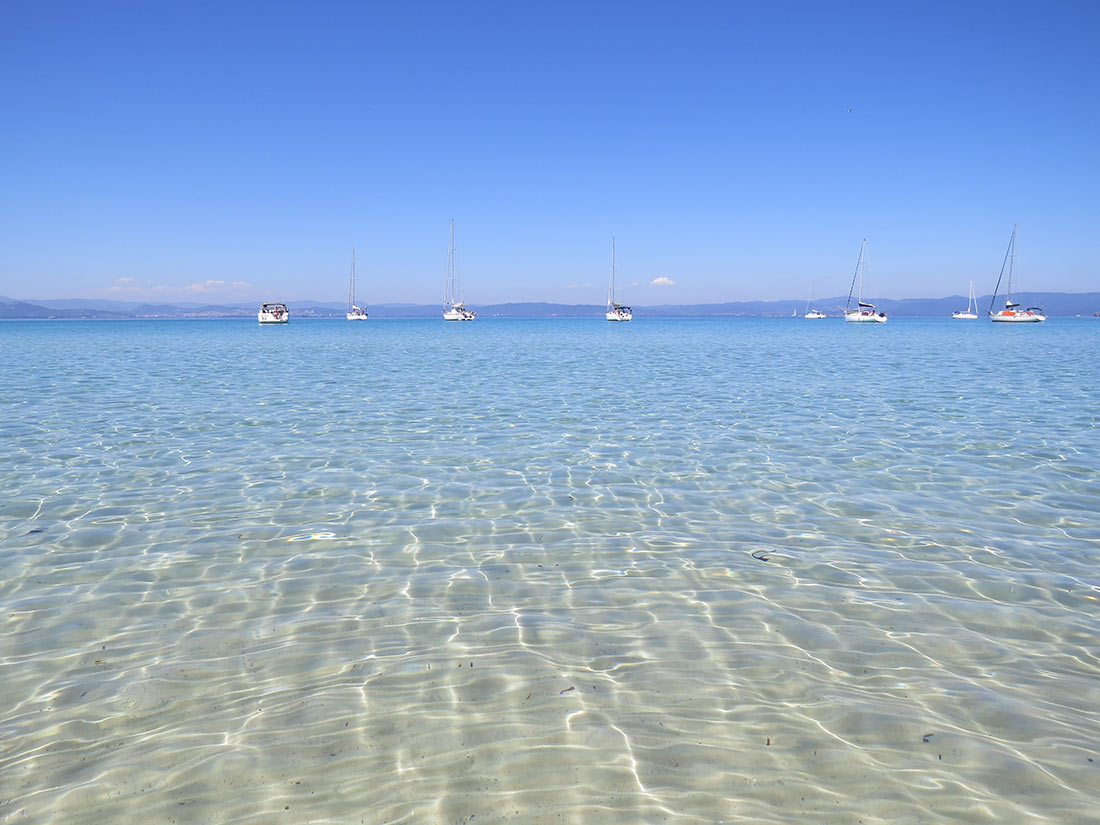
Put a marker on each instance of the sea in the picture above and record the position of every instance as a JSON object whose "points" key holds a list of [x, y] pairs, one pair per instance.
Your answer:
{"points": [[550, 571]]}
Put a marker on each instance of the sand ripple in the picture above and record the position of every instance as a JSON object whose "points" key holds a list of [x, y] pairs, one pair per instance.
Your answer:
{"points": [[773, 575]]}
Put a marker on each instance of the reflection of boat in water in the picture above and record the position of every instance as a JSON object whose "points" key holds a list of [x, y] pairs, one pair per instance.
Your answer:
{"points": [[615, 310], [355, 312], [454, 309], [971, 312], [811, 313], [274, 312], [864, 313], [1012, 312]]}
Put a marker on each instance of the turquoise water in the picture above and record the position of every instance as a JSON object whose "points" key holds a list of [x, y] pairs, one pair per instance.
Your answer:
{"points": [[550, 571]]}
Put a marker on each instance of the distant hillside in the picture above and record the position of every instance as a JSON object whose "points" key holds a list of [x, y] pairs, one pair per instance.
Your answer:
{"points": [[1056, 304], [99, 303], [12, 309]]}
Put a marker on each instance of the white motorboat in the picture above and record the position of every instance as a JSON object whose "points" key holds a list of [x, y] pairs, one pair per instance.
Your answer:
{"points": [[355, 312], [274, 312], [454, 308], [864, 313], [811, 313], [615, 310], [971, 312], [1012, 312]]}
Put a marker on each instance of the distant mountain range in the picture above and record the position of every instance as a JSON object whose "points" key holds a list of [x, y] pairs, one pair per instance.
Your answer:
{"points": [[1054, 303]]}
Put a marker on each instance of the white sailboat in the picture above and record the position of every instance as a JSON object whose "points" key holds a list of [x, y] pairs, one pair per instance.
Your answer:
{"points": [[355, 312], [454, 309], [811, 313], [971, 312], [1012, 313], [615, 310], [864, 313]]}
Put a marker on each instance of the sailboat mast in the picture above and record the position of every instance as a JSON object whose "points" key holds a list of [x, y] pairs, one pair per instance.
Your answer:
{"points": [[862, 271], [1011, 260], [351, 284], [449, 283], [1010, 257], [857, 274], [611, 280]]}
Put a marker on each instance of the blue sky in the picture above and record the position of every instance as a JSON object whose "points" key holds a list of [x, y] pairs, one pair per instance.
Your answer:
{"points": [[217, 152]]}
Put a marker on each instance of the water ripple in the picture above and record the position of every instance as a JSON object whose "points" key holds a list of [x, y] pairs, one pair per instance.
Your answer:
{"points": [[684, 571]]}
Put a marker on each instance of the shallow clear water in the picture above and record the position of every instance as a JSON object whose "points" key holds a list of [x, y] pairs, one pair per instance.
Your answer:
{"points": [[550, 571]]}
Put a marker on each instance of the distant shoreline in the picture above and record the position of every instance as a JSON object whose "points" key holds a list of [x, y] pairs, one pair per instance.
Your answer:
{"points": [[594, 317], [1065, 305]]}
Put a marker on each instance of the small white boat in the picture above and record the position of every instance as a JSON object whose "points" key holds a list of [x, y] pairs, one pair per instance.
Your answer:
{"points": [[454, 309], [971, 312], [811, 313], [618, 312], [355, 312], [274, 312], [864, 313], [1012, 312], [615, 310], [459, 312]]}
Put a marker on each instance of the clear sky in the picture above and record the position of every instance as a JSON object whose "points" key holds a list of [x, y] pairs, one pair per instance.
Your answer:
{"points": [[227, 151]]}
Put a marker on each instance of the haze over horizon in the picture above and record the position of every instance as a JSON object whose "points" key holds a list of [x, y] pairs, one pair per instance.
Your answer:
{"points": [[220, 154]]}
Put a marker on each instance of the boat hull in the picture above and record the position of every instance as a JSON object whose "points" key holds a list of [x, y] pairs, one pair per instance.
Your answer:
{"points": [[814, 315], [864, 318], [1010, 317], [273, 314], [964, 316], [619, 316]]}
